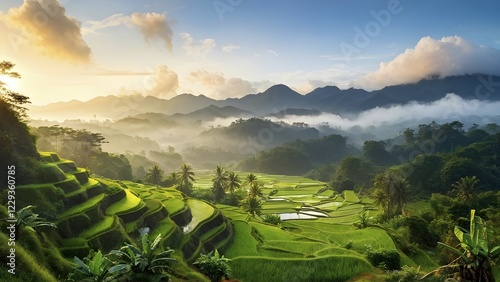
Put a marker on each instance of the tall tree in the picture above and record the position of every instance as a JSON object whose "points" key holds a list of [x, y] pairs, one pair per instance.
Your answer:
{"points": [[255, 191], [250, 179], [401, 194], [186, 176], [465, 188], [253, 205], [155, 175], [234, 182], [11, 98], [220, 183]]}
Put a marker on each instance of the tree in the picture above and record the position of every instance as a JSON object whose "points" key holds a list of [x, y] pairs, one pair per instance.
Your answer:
{"points": [[250, 179], [155, 175], [465, 188], [401, 194], [220, 183], [476, 255], [146, 261], [214, 266], [98, 268], [186, 175], [28, 219], [14, 100], [234, 182], [255, 191], [253, 205]]}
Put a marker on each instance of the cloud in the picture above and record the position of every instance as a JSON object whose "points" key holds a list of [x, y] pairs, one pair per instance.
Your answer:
{"points": [[386, 122], [106, 72], [153, 26], [445, 57], [220, 87], [272, 52], [230, 48], [46, 26], [111, 21], [197, 48], [162, 82]]}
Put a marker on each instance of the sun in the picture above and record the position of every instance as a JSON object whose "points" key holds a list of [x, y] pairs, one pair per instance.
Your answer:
{"points": [[11, 83]]}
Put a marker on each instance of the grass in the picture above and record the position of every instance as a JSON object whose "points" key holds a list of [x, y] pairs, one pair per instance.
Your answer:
{"points": [[130, 202], [174, 205], [201, 211], [233, 213], [102, 226], [81, 208], [328, 268], [244, 243]]}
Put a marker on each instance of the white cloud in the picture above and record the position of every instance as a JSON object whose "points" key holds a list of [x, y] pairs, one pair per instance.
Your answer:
{"points": [[220, 87], [272, 52], [197, 48], [230, 48], [153, 26], [115, 20], [447, 56], [162, 82], [46, 26]]}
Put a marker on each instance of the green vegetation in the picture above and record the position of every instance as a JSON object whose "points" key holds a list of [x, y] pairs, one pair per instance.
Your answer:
{"points": [[368, 220]]}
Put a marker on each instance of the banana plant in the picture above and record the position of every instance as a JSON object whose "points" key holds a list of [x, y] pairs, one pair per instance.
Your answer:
{"points": [[146, 260], [99, 269], [476, 254]]}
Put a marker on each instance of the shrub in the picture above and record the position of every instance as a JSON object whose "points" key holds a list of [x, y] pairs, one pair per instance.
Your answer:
{"points": [[384, 259], [348, 245], [406, 274], [213, 266], [274, 219]]}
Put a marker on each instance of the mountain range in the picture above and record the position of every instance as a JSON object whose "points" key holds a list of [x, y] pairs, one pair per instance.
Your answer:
{"points": [[278, 99]]}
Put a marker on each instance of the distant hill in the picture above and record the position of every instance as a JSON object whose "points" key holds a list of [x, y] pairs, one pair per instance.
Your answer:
{"points": [[255, 134], [275, 99]]}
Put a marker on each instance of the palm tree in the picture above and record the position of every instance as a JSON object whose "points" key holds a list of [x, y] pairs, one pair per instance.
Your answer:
{"points": [[186, 175], [380, 199], [253, 206], [464, 188], [145, 262], [155, 175], [400, 194], [220, 183], [250, 179], [173, 178], [255, 191], [28, 219], [234, 182]]}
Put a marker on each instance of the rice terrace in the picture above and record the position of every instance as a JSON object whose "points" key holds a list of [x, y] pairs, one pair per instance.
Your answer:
{"points": [[249, 141]]}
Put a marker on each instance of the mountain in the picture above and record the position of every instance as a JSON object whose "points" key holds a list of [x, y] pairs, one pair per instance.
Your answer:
{"points": [[275, 99], [210, 113], [296, 112]]}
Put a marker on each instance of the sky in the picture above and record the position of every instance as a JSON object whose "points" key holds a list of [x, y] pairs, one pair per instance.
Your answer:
{"points": [[74, 49]]}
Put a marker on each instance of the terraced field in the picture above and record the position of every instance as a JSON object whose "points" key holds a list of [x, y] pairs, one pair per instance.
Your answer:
{"points": [[316, 240], [311, 242], [93, 212]]}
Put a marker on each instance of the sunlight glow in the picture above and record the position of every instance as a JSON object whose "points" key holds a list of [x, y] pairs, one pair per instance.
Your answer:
{"points": [[10, 83]]}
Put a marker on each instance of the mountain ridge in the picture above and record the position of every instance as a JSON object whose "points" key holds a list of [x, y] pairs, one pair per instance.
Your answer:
{"points": [[281, 97]]}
